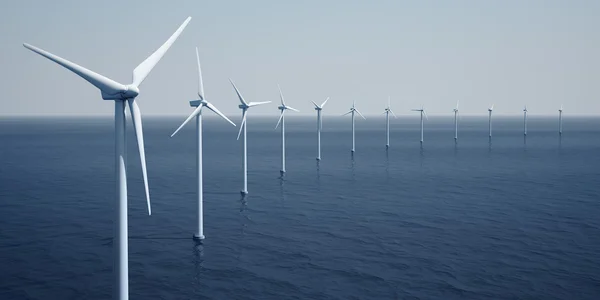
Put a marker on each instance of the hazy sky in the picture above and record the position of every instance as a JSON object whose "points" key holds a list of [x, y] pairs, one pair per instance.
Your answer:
{"points": [[540, 53]]}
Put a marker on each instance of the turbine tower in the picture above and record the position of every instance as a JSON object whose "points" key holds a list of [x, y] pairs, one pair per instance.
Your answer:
{"points": [[525, 120], [281, 120], [560, 120], [422, 110], [244, 106], [199, 104], [121, 94], [490, 110], [352, 111], [387, 112], [456, 121], [319, 126]]}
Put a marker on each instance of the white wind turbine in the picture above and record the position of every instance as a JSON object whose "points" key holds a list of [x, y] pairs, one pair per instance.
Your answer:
{"points": [[120, 93], [525, 120], [244, 106], [199, 104], [281, 120], [319, 126], [456, 121], [352, 111], [490, 110], [387, 112], [422, 110], [560, 120]]}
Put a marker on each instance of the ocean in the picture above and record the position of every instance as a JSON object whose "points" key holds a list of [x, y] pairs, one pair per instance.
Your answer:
{"points": [[510, 218]]}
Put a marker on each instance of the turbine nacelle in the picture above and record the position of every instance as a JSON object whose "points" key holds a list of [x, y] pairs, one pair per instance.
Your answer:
{"points": [[129, 92], [196, 103]]}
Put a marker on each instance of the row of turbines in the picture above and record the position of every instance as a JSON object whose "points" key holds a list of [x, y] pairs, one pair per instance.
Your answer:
{"points": [[124, 95]]}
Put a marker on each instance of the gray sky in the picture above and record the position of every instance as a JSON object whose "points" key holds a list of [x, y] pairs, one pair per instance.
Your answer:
{"points": [[512, 52]]}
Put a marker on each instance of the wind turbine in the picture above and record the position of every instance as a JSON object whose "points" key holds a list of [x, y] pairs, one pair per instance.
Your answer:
{"points": [[525, 120], [319, 126], [281, 120], [456, 121], [352, 111], [387, 112], [490, 119], [244, 106], [199, 104], [121, 94], [560, 120], [422, 110]]}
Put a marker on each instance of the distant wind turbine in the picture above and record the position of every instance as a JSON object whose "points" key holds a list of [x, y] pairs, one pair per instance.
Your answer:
{"points": [[199, 104], [422, 110], [319, 125], [387, 112], [525, 120], [121, 94], [281, 120], [560, 120], [456, 121], [352, 111], [244, 106], [490, 110]]}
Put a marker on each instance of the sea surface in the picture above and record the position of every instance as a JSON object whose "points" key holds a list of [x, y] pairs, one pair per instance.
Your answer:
{"points": [[513, 218]]}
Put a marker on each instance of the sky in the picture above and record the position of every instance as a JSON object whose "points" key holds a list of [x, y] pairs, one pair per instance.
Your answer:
{"points": [[510, 53]]}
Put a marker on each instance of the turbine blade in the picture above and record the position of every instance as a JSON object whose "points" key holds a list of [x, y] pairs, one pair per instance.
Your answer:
{"points": [[281, 96], [458, 101], [238, 93], [393, 114], [105, 85], [200, 84], [192, 115], [324, 102], [136, 116], [313, 102], [425, 115], [280, 117], [216, 111], [347, 113], [142, 70], [242, 125], [258, 103], [492, 107], [356, 110], [291, 108], [415, 110]]}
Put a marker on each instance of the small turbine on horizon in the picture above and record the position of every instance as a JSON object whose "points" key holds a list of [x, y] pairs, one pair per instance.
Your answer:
{"points": [[244, 106], [456, 121], [281, 120], [352, 111], [422, 111], [121, 94], [490, 110], [199, 104], [525, 120], [319, 125], [387, 112], [560, 120]]}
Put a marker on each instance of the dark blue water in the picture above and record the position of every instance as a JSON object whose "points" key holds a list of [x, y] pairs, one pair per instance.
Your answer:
{"points": [[510, 219]]}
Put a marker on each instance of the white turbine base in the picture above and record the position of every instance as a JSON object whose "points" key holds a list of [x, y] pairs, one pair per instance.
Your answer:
{"points": [[244, 192], [199, 237]]}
